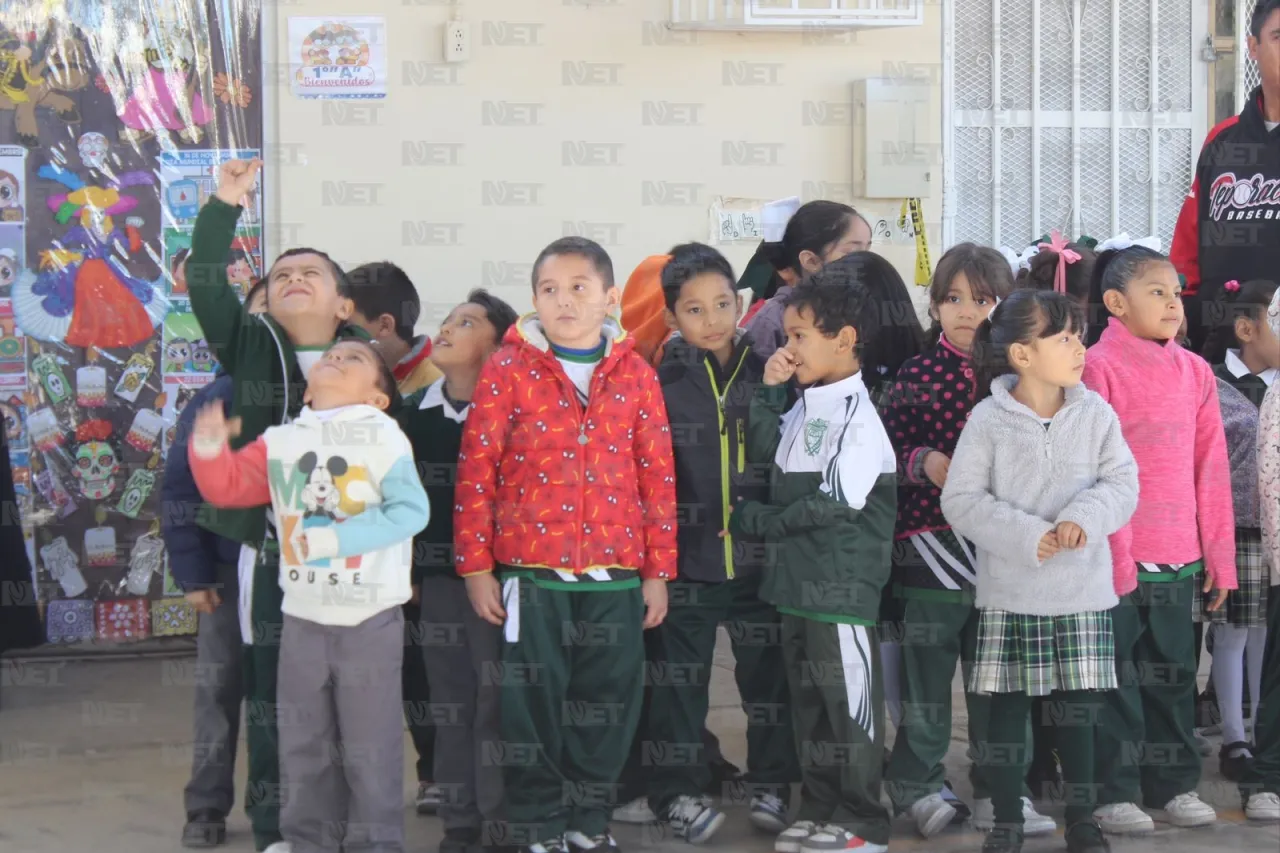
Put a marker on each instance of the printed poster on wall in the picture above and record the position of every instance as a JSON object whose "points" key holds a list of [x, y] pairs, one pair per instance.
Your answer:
{"points": [[338, 58]]}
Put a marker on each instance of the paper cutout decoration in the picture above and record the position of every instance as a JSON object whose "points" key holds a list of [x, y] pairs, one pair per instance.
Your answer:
{"points": [[145, 430], [171, 618], [46, 368], [69, 621], [91, 386], [774, 217], [124, 619], [54, 492], [167, 96], [136, 491], [100, 546], [96, 462], [63, 566], [46, 432], [134, 377], [93, 148], [146, 561], [82, 295], [26, 86]]}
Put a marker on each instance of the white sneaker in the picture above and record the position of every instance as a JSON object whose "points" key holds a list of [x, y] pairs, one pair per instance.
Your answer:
{"points": [[932, 814], [636, 811], [1033, 823], [791, 839], [279, 847], [1186, 810], [693, 819], [1263, 807], [829, 838], [1123, 819]]}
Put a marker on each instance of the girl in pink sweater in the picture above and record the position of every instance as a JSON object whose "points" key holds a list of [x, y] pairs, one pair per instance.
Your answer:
{"points": [[1167, 401]]}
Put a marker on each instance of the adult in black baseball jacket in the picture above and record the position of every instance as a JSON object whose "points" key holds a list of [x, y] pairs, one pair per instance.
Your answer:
{"points": [[1229, 227]]}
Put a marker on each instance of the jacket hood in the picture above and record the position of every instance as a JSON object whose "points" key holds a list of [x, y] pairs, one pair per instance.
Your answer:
{"points": [[527, 331], [1002, 388], [1253, 118], [343, 414]]}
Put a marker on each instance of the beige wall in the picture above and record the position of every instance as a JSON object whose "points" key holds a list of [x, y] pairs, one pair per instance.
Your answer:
{"points": [[426, 153]]}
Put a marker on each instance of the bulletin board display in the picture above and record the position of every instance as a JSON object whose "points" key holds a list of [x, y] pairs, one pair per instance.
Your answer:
{"points": [[114, 118]]}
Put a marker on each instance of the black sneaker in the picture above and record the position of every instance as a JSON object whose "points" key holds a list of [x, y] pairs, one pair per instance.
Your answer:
{"points": [[1086, 837], [1235, 767], [963, 812], [578, 842], [459, 840], [204, 828], [550, 845], [1003, 839]]}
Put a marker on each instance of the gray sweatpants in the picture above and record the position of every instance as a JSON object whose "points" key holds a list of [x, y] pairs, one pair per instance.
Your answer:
{"points": [[342, 735], [458, 645], [217, 706]]}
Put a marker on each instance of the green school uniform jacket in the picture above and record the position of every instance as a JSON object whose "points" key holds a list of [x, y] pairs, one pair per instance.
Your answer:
{"points": [[434, 428], [253, 349], [833, 501]]}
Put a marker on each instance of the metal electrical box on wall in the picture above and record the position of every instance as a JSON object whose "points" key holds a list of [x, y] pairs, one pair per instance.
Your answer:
{"points": [[891, 157]]}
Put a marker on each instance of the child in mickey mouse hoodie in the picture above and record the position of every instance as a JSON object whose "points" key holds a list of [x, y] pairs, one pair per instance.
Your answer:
{"points": [[347, 502]]}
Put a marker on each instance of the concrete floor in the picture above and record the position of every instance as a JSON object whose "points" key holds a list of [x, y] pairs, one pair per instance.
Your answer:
{"points": [[94, 755]]}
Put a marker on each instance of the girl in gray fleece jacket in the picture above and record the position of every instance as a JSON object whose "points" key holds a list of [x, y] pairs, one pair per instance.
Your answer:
{"points": [[1040, 478]]}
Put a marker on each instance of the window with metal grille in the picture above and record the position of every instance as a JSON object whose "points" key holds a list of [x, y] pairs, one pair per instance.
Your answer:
{"points": [[1080, 115], [794, 14]]}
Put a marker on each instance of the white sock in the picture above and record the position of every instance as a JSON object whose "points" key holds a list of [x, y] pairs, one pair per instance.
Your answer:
{"points": [[1228, 678], [891, 664]]}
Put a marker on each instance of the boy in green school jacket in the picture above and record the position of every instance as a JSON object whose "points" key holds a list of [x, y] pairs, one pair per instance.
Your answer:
{"points": [[268, 356], [457, 646], [829, 522]]}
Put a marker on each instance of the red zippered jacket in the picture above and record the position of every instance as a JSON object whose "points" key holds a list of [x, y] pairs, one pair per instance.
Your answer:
{"points": [[543, 484]]}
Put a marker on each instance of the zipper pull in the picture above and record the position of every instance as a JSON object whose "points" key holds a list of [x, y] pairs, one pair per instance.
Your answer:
{"points": [[582, 433]]}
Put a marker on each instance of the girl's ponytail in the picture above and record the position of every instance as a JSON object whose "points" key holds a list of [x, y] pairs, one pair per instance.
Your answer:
{"points": [[1113, 270], [989, 360]]}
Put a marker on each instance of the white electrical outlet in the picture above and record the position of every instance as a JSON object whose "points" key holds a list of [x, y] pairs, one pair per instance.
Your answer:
{"points": [[457, 42]]}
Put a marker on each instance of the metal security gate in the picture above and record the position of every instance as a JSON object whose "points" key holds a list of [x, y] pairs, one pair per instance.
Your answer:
{"points": [[1081, 115]]}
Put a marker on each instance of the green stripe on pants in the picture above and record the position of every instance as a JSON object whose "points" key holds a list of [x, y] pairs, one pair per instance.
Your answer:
{"points": [[837, 710], [263, 793], [572, 682], [1145, 741], [680, 677]]}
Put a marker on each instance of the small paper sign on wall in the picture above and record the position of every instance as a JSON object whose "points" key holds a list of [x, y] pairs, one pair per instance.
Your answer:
{"points": [[338, 58], [748, 220]]}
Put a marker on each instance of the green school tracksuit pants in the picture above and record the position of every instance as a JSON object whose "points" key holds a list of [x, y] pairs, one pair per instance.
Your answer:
{"points": [[1264, 774], [937, 634], [572, 682], [263, 793], [1145, 743], [681, 671], [837, 711]]}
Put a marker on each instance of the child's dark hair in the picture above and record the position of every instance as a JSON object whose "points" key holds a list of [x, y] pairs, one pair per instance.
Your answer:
{"points": [[499, 314], [583, 248], [383, 288], [1025, 316], [1113, 270], [386, 376], [815, 227], [896, 334], [339, 276], [986, 269], [1262, 10], [1043, 270], [689, 260], [257, 287], [835, 305], [1251, 301]]}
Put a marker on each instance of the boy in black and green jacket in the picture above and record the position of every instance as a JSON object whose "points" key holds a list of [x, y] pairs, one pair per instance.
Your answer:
{"points": [[457, 645], [829, 527], [268, 356], [708, 375]]}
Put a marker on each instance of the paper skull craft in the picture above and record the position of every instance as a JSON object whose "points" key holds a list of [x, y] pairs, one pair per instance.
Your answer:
{"points": [[93, 150], [96, 462]]}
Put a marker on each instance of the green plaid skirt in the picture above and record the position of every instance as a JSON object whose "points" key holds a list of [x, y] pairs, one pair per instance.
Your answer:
{"points": [[1019, 653], [1246, 606]]}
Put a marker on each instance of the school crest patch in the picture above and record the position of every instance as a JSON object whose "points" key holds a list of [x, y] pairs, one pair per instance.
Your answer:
{"points": [[814, 431]]}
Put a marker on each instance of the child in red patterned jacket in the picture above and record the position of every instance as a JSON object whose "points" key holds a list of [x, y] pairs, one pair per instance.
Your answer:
{"points": [[565, 531]]}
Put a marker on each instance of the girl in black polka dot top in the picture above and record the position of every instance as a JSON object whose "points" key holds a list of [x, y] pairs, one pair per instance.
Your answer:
{"points": [[934, 569]]}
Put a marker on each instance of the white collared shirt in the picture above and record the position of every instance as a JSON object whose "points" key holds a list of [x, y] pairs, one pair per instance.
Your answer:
{"points": [[1238, 368]]}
